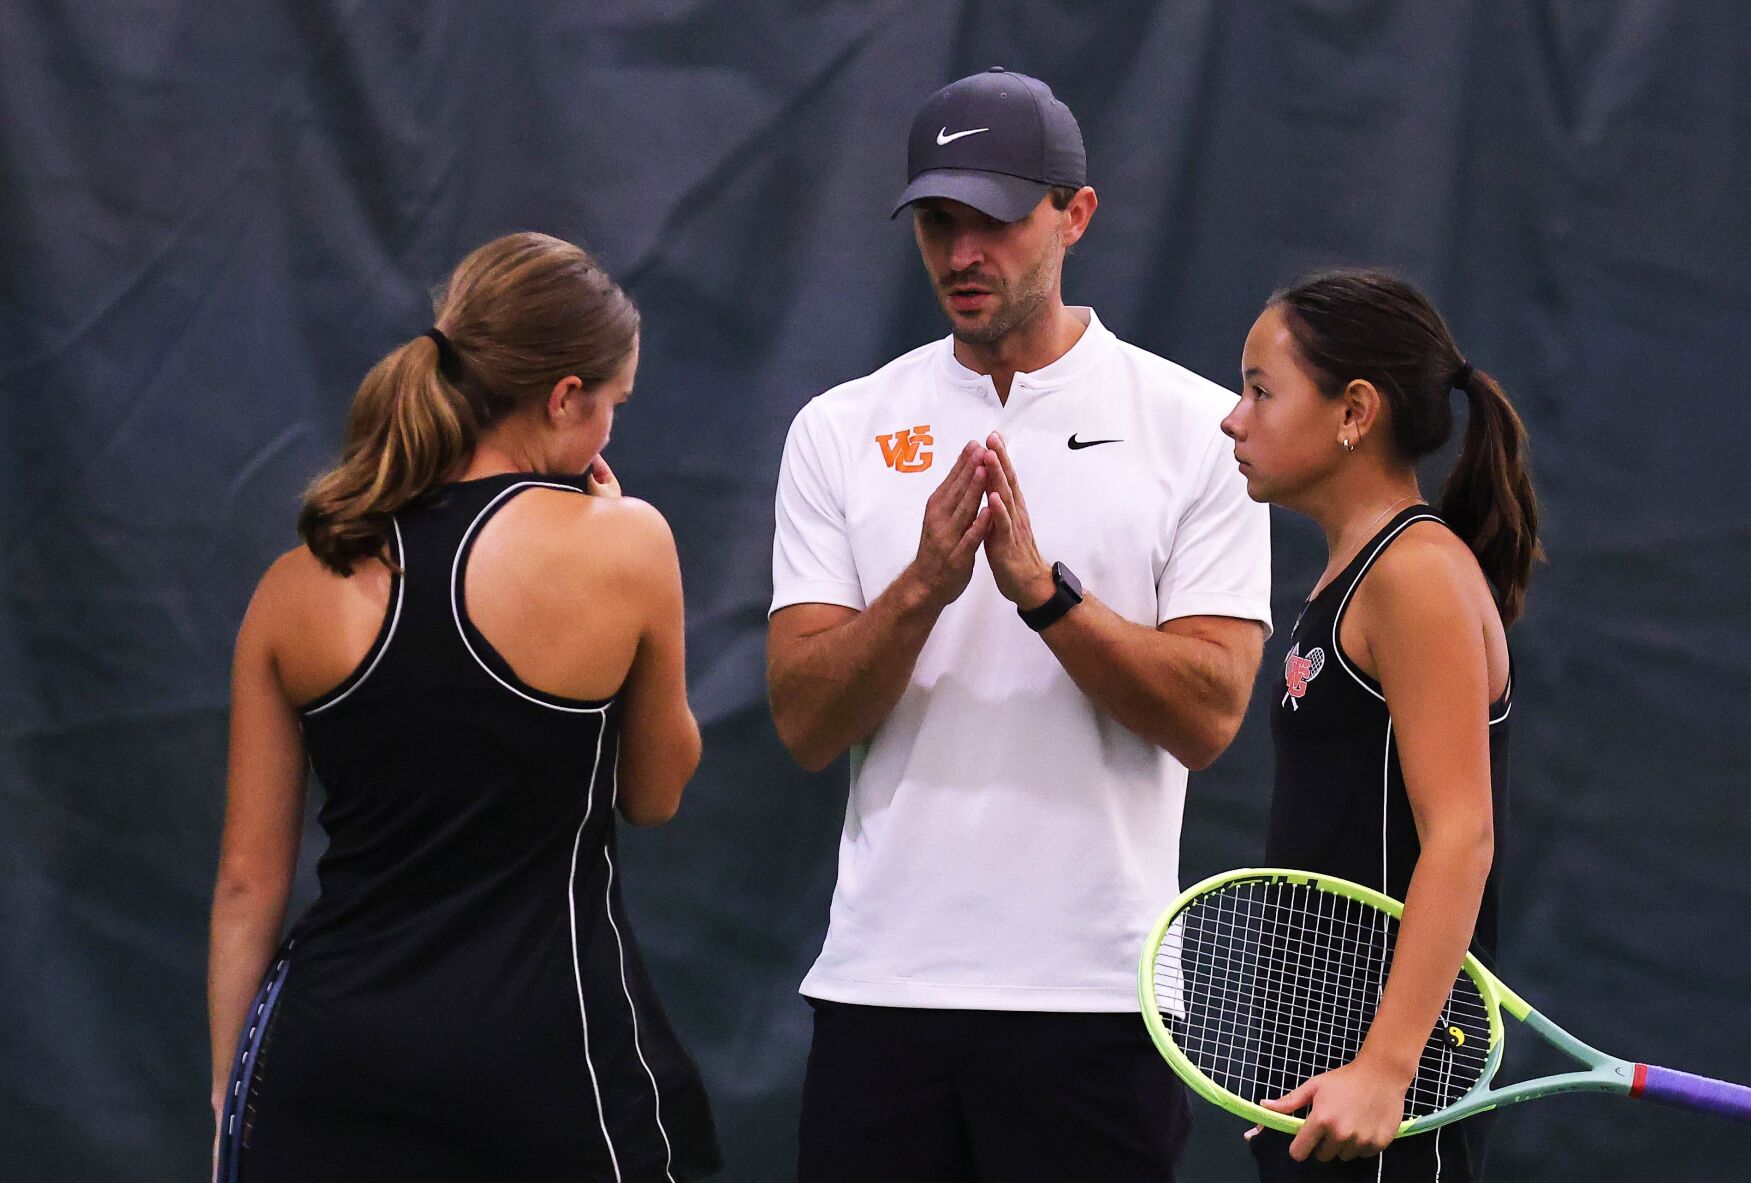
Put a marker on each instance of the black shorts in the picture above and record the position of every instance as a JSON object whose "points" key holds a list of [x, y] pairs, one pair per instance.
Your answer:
{"points": [[940, 1096], [1450, 1154]]}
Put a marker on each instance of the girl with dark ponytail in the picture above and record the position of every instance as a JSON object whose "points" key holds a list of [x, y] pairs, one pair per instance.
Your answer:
{"points": [[478, 652], [1390, 723]]}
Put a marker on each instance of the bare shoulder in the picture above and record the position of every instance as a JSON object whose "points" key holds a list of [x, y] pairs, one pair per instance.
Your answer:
{"points": [[289, 583], [298, 597], [298, 569], [636, 539], [573, 530], [299, 578], [1426, 605], [282, 596], [1426, 573], [636, 524], [625, 520]]}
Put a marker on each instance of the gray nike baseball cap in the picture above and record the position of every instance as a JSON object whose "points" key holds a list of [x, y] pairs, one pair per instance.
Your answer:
{"points": [[996, 141]]}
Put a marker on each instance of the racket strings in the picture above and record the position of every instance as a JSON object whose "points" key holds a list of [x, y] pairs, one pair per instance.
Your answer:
{"points": [[1265, 983]]}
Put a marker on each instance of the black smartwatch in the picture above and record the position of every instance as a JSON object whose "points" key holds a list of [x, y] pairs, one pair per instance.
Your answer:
{"points": [[1066, 594]]}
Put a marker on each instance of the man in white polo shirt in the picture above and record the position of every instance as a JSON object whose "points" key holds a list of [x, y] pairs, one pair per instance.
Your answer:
{"points": [[1016, 574]]}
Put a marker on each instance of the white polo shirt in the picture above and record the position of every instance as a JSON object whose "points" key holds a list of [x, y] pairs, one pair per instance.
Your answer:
{"points": [[1007, 843]]}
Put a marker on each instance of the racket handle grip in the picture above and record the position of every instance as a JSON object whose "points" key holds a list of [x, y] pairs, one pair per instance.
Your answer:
{"points": [[1686, 1091]]}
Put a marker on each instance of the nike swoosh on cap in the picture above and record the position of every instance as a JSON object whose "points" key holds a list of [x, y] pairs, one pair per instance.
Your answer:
{"points": [[942, 137], [1076, 444]]}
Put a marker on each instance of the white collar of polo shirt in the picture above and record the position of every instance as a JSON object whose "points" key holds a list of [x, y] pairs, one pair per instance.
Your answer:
{"points": [[1078, 360]]}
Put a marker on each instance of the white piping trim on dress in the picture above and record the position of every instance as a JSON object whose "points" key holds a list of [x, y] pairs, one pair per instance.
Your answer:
{"points": [[1507, 698], [394, 619], [608, 904], [1338, 621], [1385, 801], [571, 906], [456, 607]]}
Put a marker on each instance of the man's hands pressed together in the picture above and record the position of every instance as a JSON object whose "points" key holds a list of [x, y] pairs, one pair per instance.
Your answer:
{"points": [[833, 673], [954, 526], [1022, 575], [1183, 685], [836, 673]]}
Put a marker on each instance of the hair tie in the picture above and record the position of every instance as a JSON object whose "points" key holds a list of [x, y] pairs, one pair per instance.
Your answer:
{"points": [[446, 351], [1462, 377]]}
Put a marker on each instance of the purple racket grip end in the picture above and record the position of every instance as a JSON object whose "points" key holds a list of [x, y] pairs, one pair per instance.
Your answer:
{"points": [[1691, 1092]]}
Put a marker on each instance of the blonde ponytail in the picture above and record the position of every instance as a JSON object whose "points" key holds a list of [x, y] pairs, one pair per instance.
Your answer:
{"points": [[408, 428], [518, 315]]}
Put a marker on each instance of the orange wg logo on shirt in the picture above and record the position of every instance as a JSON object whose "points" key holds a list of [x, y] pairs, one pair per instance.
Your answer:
{"points": [[907, 450]]}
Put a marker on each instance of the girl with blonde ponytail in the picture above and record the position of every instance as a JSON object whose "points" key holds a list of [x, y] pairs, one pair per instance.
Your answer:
{"points": [[517, 312], [478, 652], [1390, 721]]}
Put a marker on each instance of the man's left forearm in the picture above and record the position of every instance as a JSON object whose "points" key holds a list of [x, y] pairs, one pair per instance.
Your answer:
{"points": [[1180, 691], [1182, 687]]}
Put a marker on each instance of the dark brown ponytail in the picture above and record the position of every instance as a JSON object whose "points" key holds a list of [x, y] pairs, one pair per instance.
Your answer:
{"points": [[517, 315], [1488, 497], [1373, 326]]}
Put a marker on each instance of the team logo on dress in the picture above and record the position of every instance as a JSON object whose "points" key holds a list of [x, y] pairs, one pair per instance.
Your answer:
{"points": [[908, 450], [1298, 671]]}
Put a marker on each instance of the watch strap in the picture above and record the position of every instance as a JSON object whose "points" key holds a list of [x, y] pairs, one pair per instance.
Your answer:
{"points": [[1064, 597]]}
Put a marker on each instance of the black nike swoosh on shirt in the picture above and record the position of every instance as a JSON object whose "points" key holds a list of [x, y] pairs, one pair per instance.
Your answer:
{"points": [[1076, 444]]}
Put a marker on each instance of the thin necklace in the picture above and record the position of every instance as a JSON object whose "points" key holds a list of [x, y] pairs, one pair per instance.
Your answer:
{"points": [[1367, 533], [1368, 530]]}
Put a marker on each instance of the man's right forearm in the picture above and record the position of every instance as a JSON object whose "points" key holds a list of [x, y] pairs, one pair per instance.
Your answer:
{"points": [[833, 688]]}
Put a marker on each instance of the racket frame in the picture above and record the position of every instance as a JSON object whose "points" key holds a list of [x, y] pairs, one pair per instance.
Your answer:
{"points": [[1601, 1073]]}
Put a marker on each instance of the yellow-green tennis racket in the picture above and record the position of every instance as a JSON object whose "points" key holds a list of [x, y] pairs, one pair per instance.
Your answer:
{"points": [[1255, 980]]}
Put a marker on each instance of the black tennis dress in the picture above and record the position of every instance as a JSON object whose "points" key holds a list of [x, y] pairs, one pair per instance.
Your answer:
{"points": [[1338, 807], [465, 1000]]}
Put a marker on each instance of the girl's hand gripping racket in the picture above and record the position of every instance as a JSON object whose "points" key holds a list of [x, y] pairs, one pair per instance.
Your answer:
{"points": [[1255, 980]]}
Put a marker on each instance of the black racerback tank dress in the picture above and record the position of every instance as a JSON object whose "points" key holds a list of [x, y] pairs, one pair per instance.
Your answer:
{"points": [[465, 1000], [1338, 807]]}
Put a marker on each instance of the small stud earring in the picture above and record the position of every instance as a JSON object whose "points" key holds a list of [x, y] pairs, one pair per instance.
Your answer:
{"points": [[1345, 441]]}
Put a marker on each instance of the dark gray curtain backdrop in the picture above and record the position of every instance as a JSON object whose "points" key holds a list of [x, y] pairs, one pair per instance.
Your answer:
{"points": [[215, 216]]}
